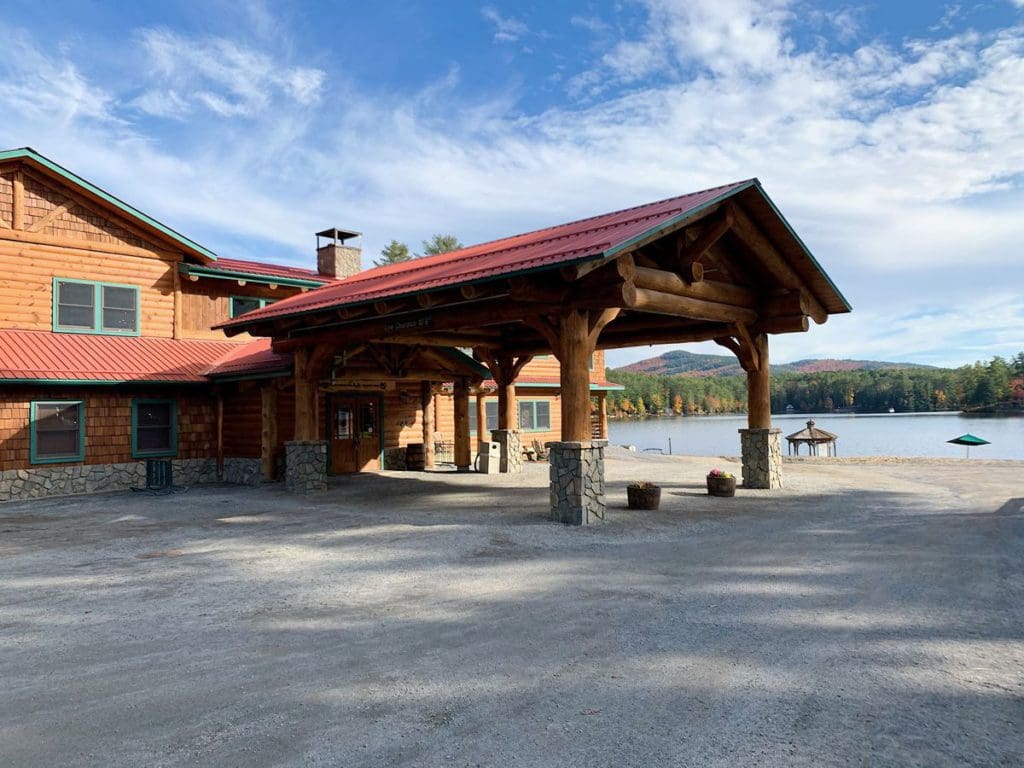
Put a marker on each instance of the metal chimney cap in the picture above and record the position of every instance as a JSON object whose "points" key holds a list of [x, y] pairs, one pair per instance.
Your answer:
{"points": [[338, 235]]}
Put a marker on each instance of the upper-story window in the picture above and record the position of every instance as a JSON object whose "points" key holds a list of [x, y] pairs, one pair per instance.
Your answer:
{"points": [[242, 304], [80, 306]]}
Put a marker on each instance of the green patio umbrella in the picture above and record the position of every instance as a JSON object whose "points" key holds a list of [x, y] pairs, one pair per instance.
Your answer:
{"points": [[968, 440]]}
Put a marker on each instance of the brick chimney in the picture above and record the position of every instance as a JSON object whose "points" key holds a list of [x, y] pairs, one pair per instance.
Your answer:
{"points": [[334, 258]]}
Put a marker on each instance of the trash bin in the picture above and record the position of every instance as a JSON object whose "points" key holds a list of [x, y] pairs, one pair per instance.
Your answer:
{"points": [[488, 459]]}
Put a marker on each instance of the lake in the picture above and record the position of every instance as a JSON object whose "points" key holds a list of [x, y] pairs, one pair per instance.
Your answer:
{"points": [[884, 434]]}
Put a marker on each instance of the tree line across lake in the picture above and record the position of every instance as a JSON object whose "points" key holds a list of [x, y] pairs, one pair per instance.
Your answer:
{"points": [[902, 389]]}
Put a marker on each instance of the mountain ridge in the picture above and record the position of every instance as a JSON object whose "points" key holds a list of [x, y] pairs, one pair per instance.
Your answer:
{"points": [[695, 365]]}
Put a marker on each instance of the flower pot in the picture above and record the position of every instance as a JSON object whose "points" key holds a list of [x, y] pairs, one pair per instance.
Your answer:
{"points": [[721, 486], [643, 498]]}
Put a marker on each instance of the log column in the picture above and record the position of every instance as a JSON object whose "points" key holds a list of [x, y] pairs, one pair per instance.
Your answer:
{"points": [[463, 453], [427, 402], [505, 369], [760, 443], [602, 415], [577, 461], [482, 436], [268, 439], [306, 455]]}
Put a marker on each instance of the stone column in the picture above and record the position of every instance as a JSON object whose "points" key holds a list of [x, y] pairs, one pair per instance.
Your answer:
{"points": [[305, 465], [577, 481], [762, 457], [511, 449]]}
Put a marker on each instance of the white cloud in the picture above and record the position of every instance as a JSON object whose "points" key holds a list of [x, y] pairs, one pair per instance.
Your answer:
{"points": [[899, 165], [507, 28], [228, 78]]}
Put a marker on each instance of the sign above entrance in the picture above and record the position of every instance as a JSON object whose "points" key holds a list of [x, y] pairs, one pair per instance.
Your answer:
{"points": [[356, 385]]}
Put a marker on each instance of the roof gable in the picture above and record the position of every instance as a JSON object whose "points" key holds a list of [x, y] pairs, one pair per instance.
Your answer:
{"points": [[57, 199]]}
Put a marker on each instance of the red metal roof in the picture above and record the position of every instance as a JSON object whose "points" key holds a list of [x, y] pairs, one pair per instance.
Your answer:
{"points": [[587, 238], [252, 358], [271, 270], [46, 356]]}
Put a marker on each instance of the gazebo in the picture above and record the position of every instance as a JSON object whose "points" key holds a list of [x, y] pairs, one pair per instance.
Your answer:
{"points": [[722, 264], [813, 437]]}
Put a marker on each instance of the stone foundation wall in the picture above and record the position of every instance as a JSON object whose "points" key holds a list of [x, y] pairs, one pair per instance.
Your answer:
{"points": [[305, 466], [762, 457], [68, 479], [577, 481], [243, 471], [511, 449]]}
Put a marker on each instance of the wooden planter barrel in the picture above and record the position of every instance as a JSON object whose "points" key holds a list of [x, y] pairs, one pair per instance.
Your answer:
{"points": [[415, 456], [721, 486], [643, 498]]}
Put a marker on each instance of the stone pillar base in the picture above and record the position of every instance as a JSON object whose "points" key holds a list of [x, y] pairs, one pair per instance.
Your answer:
{"points": [[511, 449], [305, 467], [762, 457], [577, 481]]}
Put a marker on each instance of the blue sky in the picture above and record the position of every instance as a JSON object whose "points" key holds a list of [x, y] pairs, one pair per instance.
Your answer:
{"points": [[890, 134]]}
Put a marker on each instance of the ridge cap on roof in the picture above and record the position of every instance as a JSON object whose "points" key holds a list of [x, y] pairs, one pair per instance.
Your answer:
{"points": [[425, 262]]}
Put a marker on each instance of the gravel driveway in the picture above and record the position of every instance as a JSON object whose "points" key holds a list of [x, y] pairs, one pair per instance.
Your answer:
{"points": [[868, 614]]}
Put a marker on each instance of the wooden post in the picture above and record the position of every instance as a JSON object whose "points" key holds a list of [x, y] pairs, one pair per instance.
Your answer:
{"points": [[602, 415], [176, 279], [220, 436], [508, 406], [305, 398], [759, 397], [574, 375], [268, 437], [463, 454], [482, 435], [18, 202], [427, 401]]}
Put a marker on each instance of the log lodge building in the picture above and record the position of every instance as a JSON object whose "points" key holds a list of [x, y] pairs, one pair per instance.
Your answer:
{"points": [[122, 341]]}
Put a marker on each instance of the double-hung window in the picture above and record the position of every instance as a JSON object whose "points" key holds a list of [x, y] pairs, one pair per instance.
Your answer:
{"points": [[57, 431], [491, 415], [80, 306], [154, 428], [535, 415]]}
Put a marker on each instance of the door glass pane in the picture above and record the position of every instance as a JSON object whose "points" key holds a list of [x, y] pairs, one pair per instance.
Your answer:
{"points": [[119, 311], [75, 307], [343, 424], [368, 418], [150, 439]]}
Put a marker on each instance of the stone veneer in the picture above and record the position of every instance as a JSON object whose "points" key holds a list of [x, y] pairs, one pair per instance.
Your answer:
{"points": [[243, 471], [577, 481], [511, 449], [761, 450], [44, 480], [305, 465]]}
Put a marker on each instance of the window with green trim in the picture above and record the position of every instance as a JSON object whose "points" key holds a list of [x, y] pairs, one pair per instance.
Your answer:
{"points": [[57, 431], [242, 304], [491, 416], [535, 415], [154, 428], [81, 306]]}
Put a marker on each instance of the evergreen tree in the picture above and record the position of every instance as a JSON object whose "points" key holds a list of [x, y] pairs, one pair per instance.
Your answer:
{"points": [[441, 244], [393, 253]]}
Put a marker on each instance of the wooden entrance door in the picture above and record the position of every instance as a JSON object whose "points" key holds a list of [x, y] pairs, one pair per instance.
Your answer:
{"points": [[356, 435]]}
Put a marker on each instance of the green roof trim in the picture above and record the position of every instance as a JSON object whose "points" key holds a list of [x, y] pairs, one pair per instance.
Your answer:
{"points": [[27, 153], [458, 356], [249, 277]]}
